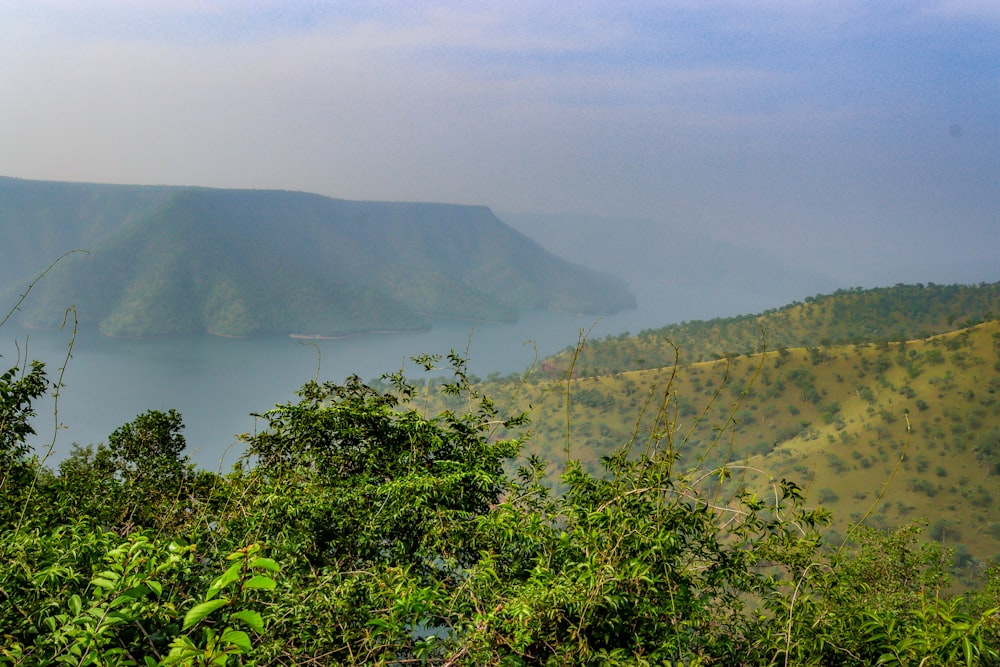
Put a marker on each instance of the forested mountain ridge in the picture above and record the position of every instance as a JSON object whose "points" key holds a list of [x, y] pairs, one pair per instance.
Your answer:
{"points": [[166, 260], [41, 220], [898, 313]]}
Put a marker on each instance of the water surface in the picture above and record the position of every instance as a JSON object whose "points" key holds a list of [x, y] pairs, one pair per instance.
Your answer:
{"points": [[216, 383]]}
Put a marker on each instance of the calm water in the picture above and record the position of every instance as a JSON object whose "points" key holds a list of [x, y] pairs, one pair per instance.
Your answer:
{"points": [[216, 383]]}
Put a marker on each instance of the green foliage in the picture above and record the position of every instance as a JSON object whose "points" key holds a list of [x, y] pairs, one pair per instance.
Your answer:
{"points": [[17, 391], [428, 478], [150, 446], [75, 595], [226, 600], [359, 531], [880, 315], [19, 388], [882, 603]]}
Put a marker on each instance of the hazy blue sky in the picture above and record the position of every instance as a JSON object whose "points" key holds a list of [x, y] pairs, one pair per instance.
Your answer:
{"points": [[857, 138]]}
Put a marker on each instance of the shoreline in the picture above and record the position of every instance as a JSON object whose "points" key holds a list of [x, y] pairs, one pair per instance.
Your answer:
{"points": [[297, 336]]}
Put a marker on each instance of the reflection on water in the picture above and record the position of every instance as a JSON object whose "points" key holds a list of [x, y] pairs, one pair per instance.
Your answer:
{"points": [[217, 382]]}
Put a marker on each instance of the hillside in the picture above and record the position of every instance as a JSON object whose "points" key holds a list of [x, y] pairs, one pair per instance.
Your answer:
{"points": [[918, 419], [237, 262], [899, 313], [681, 518]]}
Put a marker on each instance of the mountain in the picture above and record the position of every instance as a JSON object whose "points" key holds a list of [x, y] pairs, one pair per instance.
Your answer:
{"points": [[675, 269], [898, 313], [169, 260]]}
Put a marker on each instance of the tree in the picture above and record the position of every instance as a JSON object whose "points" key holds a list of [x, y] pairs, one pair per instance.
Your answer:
{"points": [[18, 389], [147, 456], [386, 485]]}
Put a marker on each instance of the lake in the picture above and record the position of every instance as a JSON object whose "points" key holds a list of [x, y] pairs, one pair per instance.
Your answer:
{"points": [[217, 382]]}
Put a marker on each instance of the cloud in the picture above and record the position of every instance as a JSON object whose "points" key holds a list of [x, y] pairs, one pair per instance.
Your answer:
{"points": [[963, 9], [779, 122]]}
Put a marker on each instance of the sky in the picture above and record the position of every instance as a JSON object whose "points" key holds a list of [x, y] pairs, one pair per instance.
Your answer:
{"points": [[858, 139]]}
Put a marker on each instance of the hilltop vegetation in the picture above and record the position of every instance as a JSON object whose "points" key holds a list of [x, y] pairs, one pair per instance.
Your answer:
{"points": [[899, 313], [236, 262]]}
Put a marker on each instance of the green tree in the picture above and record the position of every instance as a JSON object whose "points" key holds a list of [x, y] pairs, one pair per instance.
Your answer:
{"points": [[18, 390], [378, 484], [148, 460]]}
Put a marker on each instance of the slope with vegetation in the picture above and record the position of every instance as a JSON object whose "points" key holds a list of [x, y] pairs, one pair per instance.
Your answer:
{"points": [[367, 533], [885, 432], [899, 313], [238, 262], [360, 530], [905, 431]]}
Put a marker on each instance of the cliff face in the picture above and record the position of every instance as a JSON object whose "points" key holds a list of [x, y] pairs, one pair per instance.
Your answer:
{"points": [[167, 260]]}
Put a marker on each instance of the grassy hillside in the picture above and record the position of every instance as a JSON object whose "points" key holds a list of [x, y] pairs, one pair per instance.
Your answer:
{"points": [[884, 432], [238, 262]]}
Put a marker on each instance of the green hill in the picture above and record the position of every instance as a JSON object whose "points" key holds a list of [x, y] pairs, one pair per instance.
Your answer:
{"points": [[884, 432], [237, 262], [898, 313]]}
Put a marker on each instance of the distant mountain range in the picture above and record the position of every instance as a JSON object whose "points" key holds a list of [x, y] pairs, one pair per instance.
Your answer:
{"points": [[170, 260], [673, 267]]}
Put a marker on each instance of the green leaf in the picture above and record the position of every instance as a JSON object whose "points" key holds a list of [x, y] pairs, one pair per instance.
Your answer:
{"points": [[75, 604], [252, 619], [260, 581], [134, 593], [201, 610], [381, 624], [266, 564], [237, 638], [181, 649], [156, 587], [229, 576], [179, 546]]}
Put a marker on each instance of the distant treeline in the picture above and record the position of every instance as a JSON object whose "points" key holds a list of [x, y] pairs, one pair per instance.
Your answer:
{"points": [[898, 313]]}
